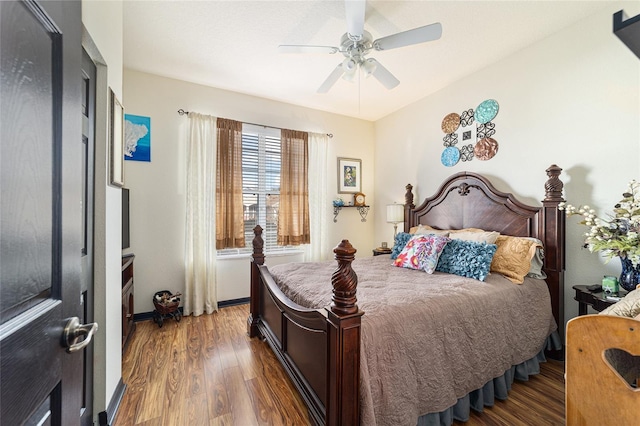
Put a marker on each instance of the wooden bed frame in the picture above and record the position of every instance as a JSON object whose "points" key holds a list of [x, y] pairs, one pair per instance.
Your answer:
{"points": [[320, 348]]}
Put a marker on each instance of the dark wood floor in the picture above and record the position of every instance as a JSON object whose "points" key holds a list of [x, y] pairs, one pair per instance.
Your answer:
{"points": [[206, 371]]}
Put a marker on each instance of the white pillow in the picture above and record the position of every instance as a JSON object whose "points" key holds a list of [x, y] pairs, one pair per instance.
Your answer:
{"points": [[488, 237], [427, 230]]}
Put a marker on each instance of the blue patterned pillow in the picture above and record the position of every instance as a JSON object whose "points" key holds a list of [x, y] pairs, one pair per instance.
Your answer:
{"points": [[402, 238], [467, 259]]}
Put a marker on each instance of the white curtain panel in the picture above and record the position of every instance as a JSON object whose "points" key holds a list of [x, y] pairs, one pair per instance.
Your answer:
{"points": [[318, 201], [200, 227]]}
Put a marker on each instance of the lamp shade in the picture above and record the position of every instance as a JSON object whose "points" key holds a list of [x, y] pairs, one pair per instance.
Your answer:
{"points": [[395, 213]]}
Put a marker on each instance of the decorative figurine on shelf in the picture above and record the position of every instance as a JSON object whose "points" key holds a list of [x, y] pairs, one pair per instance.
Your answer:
{"points": [[338, 202]]}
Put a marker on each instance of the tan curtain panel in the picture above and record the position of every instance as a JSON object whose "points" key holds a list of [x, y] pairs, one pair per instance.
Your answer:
{"points": [[229, 208], [293, 212]]}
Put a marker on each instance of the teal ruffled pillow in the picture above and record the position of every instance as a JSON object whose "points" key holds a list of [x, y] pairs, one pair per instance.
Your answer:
{"points": [[467, 259], [402, 238]]}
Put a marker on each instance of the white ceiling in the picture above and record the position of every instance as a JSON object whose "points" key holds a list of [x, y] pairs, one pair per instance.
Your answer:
{"points": [[233, 45]]}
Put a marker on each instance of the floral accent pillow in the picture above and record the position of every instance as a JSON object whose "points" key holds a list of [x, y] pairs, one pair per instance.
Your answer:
{"points": [[402, 238], [467, 258], [422, 252]]}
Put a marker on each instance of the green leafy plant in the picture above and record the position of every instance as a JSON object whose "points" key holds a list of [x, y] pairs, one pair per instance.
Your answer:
{"points": [[617, 235]]}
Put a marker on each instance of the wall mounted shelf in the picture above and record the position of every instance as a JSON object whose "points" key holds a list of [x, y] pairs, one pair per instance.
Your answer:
{"points": [[627, 30], [363, 210]]}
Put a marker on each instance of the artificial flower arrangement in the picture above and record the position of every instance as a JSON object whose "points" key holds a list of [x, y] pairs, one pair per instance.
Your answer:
{"points": [[618, 234]]}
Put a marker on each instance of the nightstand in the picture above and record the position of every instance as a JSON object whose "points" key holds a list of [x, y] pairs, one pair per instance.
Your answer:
{"points": [[597, 300], [378, 251]]}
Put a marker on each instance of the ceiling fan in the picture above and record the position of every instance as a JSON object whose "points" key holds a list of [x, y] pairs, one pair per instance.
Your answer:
{"points": [[356, 43]]}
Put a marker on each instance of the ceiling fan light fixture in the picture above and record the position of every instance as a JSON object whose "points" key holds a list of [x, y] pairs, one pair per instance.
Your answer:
{"points": [[369, 67], [349, 65], [350, 75]]}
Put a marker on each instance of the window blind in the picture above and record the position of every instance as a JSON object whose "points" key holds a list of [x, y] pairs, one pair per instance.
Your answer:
{"points": [[261, 164]]}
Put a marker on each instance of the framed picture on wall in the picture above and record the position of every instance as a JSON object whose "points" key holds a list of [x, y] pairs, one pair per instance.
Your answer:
{"points": [[116, 141], [137, 145], [349, 175]]}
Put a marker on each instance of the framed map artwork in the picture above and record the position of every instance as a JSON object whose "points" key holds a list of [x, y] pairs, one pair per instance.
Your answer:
{"points": [[137, 138]]}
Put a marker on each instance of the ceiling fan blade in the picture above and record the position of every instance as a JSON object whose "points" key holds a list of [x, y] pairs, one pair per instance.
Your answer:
{"points": [[406, 38], [355, 16], [331, 80], [383, 75], [302, 48]]}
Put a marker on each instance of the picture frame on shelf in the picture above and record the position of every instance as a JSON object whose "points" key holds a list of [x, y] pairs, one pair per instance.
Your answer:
{"points": [[349, 175], [116, 141]]}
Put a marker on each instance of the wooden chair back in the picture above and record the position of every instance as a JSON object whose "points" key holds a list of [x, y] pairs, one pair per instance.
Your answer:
{"points": [[596, 391]]}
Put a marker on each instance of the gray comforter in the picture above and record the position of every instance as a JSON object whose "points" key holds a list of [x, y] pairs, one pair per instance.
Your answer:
{"points": [[428, 340]]}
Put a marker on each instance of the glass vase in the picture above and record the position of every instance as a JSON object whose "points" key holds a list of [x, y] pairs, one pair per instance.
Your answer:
{"points": [[630, 276]]}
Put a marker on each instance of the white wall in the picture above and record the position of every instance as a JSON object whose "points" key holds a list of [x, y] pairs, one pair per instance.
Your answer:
{"points": [[571, 99], [158, 188], [103, 41]]}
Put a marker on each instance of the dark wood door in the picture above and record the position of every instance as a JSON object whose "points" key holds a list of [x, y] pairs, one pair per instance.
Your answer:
{"points": [[40, 212], [88, 177]]}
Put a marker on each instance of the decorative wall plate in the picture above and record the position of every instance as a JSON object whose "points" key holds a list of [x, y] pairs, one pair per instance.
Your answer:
{"points": [[486, 111], [450, 156], [486, 149], [450, 123]]}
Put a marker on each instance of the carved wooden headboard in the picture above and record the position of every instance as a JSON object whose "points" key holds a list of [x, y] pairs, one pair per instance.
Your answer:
{"points": [[469, 200]]}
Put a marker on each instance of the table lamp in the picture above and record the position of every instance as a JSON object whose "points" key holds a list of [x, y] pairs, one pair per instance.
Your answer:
{"points": [[395, 215]]}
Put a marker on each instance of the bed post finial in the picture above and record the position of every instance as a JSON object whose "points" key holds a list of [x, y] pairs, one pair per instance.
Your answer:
{"points": [[257, 258], [344, 280], [551, 225], [553, 186], [343, 341], [258, 245], [408, 196], [408, 206]]}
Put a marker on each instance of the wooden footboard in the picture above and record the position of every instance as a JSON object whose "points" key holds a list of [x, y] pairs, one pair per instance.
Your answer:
{"points": [[319, 348]]}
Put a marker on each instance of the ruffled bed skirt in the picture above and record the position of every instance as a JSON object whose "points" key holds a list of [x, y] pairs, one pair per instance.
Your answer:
{"points": [[497, 388]]}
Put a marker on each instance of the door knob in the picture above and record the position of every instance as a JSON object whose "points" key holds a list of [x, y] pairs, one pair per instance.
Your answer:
{"points": [[73, 330]]}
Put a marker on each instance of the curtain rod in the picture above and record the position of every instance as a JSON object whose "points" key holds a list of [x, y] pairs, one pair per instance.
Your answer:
{"points": [[183, 112]]}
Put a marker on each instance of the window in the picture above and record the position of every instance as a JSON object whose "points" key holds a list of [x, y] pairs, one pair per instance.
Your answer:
{"points": [[261, 187]]}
